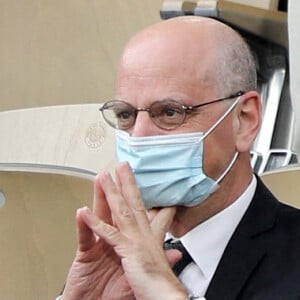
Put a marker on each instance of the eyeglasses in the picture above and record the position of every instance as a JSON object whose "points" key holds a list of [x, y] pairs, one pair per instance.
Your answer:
{"points": [[166, 114]]}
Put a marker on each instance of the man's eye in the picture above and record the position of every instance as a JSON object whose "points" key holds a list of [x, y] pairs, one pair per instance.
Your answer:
{"points": [[124, 115], [171, 112]]}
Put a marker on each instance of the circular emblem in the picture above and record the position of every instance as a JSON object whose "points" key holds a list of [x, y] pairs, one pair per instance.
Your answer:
{"points": [[94, 136]]}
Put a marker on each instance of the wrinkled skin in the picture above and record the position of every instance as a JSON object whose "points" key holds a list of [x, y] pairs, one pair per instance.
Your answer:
{"points": [[112, 242]]}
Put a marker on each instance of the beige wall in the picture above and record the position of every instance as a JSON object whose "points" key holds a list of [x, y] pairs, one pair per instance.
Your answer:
{"points": [[65, 52]]}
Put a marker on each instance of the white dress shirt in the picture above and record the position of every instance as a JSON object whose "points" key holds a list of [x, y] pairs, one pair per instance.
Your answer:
{"points": [[206, 243]]}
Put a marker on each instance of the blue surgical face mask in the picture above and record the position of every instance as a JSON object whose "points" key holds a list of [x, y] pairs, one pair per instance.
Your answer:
{"points": [[169, 168]]}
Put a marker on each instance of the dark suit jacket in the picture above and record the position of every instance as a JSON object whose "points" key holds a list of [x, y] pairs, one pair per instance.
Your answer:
{"points": [[262, 259]]}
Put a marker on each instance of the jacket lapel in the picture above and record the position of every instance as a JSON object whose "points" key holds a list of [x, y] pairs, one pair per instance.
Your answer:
{"points": [[244, 250]]}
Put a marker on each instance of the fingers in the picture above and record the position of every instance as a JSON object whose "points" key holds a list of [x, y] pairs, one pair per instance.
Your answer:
{"points": [[161, 220], [106, 231], [85, 235], [121, 213], [151, 213], [122, 203], [161, 223], [100, 206], [128, 187], [113, 237], [132, 196]]}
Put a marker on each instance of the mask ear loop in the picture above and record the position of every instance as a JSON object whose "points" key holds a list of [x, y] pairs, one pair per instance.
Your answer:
{"points": [[229, 110], [235, 156]]}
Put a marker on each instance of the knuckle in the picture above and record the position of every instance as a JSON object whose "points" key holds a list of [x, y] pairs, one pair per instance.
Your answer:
{"points": [[139, 206], [125, 213]]}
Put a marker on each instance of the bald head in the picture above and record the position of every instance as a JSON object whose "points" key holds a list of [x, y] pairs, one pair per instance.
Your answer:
{"points": [[201, 47]]}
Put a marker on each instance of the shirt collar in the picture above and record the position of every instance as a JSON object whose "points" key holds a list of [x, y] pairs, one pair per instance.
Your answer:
{"points": [[213, 235]]}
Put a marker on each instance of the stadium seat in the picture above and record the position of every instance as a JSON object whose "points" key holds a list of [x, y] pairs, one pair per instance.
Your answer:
{"points": [[284, 184], [37, 227]]}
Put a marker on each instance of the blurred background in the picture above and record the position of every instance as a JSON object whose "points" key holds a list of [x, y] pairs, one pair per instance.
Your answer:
{"points": [[65, 52]]}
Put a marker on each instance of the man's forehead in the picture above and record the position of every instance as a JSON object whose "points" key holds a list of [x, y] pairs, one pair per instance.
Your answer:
{"points": [[184, 40], [168, 47]]}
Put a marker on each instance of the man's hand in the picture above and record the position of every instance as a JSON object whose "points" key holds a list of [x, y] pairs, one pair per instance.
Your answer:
{"points": [[120, 253]]}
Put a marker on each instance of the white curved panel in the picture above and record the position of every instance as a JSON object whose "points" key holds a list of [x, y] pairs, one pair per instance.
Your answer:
{"points": [[68, 135]]}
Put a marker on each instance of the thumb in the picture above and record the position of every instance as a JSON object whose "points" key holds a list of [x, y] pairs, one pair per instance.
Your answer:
{"points": [[161, 222], [173, 256]]}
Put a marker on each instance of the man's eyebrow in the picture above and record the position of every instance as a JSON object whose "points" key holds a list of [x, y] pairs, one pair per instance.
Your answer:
{"points": [[180, 100]]}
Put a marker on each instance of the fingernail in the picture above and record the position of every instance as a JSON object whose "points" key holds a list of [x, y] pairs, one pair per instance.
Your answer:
{"points": [[84, 208], [103, 177], [87, 210], [127, 165]]}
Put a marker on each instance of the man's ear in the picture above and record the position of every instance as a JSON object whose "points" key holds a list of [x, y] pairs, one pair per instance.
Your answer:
{"points": [[247, 120]]}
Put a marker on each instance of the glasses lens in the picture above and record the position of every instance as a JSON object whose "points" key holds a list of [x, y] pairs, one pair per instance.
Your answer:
{"points": [[167, 114], [119, 114]]}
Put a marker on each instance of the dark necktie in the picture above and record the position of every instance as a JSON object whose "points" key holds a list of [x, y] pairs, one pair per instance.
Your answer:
{"points": [[185, 259]]}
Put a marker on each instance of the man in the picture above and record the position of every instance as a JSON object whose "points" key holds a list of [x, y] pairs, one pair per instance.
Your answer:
{"points": [[186, 116]]}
